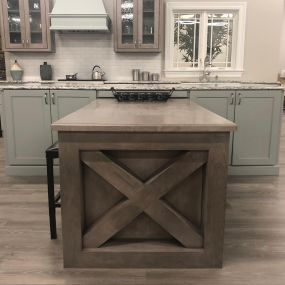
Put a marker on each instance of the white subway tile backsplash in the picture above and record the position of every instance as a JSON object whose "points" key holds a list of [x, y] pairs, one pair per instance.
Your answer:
{"points": [[80, 52]]}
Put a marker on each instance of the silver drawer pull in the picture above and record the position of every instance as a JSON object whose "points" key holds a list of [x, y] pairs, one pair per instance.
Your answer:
{"points": [[46, 101], [53, 98], [232, 98], [239, 99]]}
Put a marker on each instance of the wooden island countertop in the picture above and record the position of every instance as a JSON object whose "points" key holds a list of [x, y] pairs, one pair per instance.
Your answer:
{"points": [[176, 115], [143, 185]]}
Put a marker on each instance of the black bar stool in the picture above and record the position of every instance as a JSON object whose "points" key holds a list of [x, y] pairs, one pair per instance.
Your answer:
{"points": [[53, 200]]}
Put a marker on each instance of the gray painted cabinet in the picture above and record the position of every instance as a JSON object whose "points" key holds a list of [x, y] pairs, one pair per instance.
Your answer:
{"points": [[1, 116], [26, 126], [219, 102], [28, 116], [64, 102], [258, 116]]}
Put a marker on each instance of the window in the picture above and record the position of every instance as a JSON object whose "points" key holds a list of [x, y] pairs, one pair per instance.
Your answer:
{"points": [[199, 31]]}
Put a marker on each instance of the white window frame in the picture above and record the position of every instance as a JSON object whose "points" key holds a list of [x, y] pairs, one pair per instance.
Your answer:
{"points": [[238, 41]]}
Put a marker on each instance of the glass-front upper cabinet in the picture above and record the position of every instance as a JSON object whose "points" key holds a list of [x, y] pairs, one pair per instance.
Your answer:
{"points": [[25, 25], [149, 23], [138, 26], [127, 25], [13, 18], [36, 35]]}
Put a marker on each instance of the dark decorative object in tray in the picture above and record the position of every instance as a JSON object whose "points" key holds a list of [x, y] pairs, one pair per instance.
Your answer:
{"points": [[142, 95]]}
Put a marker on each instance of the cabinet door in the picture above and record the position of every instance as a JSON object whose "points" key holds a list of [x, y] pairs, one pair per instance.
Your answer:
{"points": [[258, 116], [26, 126], [13, 24], [1, 116], [148, 24], [64, 102], [35, 19], [127, 30], [219, 102]]}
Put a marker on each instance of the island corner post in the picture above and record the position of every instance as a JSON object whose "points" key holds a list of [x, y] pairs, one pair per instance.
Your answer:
{"points": [[143, 199]]}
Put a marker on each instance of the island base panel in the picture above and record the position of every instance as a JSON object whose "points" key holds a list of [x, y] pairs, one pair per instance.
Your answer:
{"points": [[143, 200]]}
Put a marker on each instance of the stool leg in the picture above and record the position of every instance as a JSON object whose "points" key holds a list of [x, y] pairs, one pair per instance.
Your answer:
{"points": [[50, 183]]}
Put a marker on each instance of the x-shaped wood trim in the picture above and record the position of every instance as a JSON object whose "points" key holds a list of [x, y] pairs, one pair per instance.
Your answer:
{"points": [[143, 197]]}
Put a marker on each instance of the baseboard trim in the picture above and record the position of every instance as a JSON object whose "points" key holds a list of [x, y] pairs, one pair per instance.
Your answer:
{"points": [[254, 170], [29, 170]]}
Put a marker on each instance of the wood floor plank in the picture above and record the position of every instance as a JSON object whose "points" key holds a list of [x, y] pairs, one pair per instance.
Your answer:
{"points": [[254, 249]]}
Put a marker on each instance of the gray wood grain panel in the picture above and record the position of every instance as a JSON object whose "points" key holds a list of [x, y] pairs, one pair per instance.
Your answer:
{"points": [[202, 245]]}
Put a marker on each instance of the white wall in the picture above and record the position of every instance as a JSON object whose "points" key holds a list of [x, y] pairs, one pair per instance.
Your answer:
{"points": [[79, 52], [282, 45], [262, 49]]}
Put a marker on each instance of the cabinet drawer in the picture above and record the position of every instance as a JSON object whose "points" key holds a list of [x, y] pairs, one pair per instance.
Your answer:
{"points": [[104, 94], [180, 94]]}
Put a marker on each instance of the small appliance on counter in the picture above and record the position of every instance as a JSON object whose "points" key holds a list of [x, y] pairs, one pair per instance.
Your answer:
{"points": [[144, 76], [136, 74], [97, 73], [16, 71], [71, 77], [155, 77], [74, 78], [46, 71]]}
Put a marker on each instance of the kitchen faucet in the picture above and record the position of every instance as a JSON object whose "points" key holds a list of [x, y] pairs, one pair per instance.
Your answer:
{"points": [[206, 72]]}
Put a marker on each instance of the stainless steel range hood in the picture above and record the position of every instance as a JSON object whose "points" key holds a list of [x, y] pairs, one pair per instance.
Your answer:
{"points": [[79, 15]]}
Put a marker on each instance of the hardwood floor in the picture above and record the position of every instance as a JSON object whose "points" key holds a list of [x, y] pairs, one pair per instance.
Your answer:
{"points": [[254, 250]]}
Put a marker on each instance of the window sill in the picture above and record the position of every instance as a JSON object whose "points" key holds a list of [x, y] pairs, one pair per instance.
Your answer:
{"points": [[174, 73]]}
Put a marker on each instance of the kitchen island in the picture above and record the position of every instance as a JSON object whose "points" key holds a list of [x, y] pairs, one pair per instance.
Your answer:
{"points": [[143, 185]]}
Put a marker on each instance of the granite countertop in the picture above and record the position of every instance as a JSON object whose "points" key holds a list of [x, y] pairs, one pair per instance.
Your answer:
{"points": [[89, 85], [171, 116]]}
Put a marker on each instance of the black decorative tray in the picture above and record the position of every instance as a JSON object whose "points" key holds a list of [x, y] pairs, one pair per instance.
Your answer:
{"points": [[142, 95]]}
